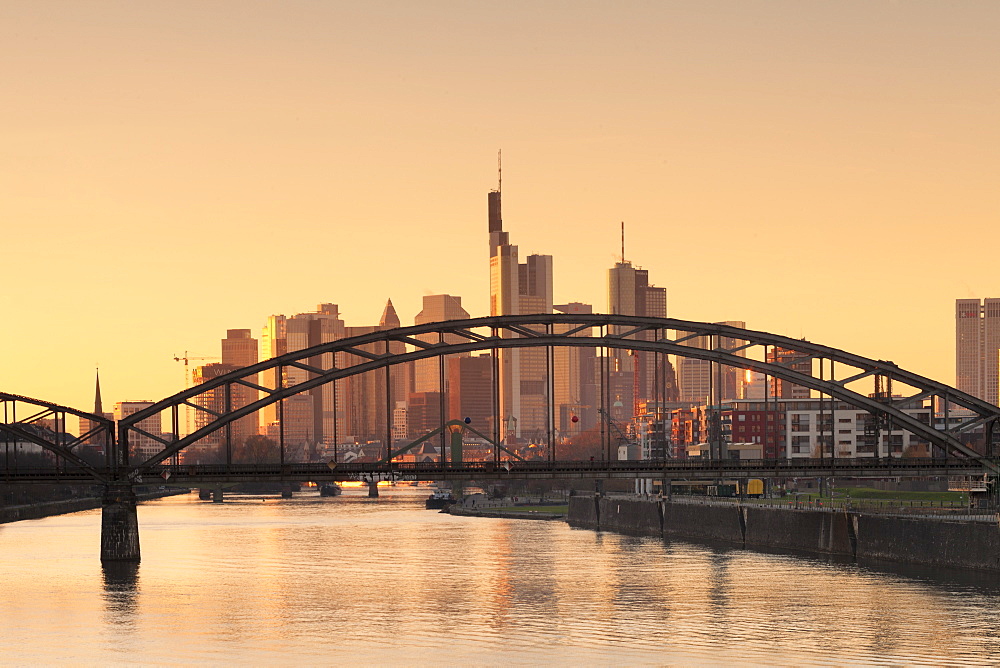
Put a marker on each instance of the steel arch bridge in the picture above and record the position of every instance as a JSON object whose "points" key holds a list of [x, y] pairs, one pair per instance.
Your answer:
{"points": [[24, 417], [844, 376]]}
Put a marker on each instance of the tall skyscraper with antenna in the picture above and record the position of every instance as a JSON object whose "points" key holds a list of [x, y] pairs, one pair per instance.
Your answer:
{"points": [[518, 288], [636, 376]]}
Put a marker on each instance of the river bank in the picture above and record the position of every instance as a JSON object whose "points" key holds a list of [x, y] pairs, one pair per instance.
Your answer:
{"points": [[927, 541], [36, 511]]}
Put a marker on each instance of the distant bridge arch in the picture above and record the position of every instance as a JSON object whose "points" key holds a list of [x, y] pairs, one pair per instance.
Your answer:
{"points": [[21, 417], [374, 351]]}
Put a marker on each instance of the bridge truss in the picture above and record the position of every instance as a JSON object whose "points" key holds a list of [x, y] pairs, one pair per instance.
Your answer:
{"points": [[43, 424], [836, 374]]}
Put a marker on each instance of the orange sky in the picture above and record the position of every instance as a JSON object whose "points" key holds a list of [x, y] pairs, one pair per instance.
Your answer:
{"points": [[170, 170]]}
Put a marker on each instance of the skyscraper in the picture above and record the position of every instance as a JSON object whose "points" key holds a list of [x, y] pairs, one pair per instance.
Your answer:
{"points": [[517, 288], [650, 377], [470, 390], [239, 349], [399, 373], [272, 344], [436, 308], [795, 361], [305, 330], [288, 334], [977, 347], [695, 376]]}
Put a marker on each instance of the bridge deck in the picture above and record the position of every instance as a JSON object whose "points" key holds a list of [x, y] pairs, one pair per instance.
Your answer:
{"points": [[672, 469]]}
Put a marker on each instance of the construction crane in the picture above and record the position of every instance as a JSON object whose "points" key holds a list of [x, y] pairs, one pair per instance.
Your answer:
{"points": [[186, 359]]}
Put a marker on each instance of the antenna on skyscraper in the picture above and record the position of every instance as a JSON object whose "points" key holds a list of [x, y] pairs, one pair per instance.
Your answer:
{"points": [[499, 170], [623, 242]]}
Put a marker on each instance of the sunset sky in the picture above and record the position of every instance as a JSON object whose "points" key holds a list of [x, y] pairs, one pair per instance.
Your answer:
{"points": [[169, 170]]}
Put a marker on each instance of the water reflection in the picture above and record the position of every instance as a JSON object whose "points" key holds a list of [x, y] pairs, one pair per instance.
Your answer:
{"points": [[121, 592], [351, 579]]}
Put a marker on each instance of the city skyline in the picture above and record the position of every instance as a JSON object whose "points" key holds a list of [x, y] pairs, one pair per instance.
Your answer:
{"points": [[168, 179]]}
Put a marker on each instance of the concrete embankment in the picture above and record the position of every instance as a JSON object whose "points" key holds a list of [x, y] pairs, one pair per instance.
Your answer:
{"points": [[39, 510], [925, 541], [933, 543]]}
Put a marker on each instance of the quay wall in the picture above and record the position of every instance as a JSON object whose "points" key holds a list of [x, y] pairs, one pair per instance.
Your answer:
{"points": [[709, 522], [37, 511], [950, 544], [583, 512], [633, 516], [790, 529], [930, 542]]}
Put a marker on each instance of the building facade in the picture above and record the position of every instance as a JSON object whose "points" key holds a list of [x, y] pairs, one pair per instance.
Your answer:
{"points": [[140, 446], [977, 347]]}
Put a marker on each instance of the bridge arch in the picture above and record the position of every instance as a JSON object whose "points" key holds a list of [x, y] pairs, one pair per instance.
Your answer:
{"points": [[33, 410], [730, 346]]}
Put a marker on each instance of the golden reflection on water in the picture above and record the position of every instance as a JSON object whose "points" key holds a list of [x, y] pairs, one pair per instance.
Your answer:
{"points": [[385, 582]]}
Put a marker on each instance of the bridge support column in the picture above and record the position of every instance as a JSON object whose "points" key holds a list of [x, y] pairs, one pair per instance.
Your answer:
{"points": [[217, 495], [373, 489], [119, 524]]}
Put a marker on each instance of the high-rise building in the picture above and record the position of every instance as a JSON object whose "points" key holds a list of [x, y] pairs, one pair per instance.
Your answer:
{"points": [[297, 426], [423, 413], [694, 376], [517, 288], [215, 402], [649, 376], [141, 447], [977, 347], [470, 391], [365, 408], [272, 344], [436, 308], [705, 381], [288, 334], [239, 348], [730, 379], [400, 374], [795, 361]]}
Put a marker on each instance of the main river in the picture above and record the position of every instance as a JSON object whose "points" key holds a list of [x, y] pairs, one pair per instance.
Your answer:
{"points": [[335, 580]]}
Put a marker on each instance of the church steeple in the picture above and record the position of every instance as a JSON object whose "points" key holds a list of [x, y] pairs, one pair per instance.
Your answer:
{"points": [[98, 406], [389, 318]]}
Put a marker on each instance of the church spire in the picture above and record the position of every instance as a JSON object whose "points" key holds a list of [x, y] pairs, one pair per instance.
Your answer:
{"points": [[98, 406]]}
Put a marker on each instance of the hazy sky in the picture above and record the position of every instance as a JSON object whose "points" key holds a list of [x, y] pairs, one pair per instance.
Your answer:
{"points": [[169, 170]]}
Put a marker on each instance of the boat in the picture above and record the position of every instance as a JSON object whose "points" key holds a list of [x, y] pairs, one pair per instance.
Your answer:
{"points": [[330, 489], [441, 498]]}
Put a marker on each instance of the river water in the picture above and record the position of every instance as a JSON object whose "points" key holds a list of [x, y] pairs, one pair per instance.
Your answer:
{"points": [[348, 579]]}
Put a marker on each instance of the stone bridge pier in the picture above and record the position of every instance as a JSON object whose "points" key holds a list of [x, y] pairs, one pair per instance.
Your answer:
{"points": [[119, 524]]}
